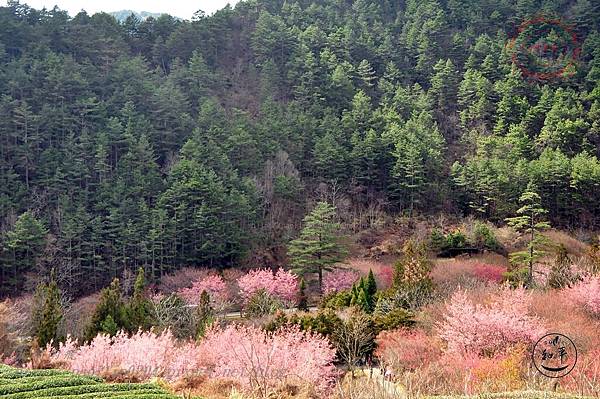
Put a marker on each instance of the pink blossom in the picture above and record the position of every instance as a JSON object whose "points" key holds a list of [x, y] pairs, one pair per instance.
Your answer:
{"points": [[586, 294], [281, 285], [339, 280], [492, 328], [261, 361], [214, 285], [146, 354]]}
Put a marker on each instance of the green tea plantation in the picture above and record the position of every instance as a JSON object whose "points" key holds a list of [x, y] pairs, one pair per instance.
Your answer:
{"points": [[58, 384]]}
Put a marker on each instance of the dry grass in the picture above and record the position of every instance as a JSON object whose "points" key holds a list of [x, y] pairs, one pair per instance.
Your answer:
{"points": [[562, 315], [573, 245]]}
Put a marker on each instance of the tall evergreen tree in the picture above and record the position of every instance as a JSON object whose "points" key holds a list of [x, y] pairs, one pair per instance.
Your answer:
{"points": [[318, 246]]}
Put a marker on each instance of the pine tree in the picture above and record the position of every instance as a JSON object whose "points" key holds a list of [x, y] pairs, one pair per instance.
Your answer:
{"points": [[366, 74], [318, 246], [530, 221], [24, 244]]}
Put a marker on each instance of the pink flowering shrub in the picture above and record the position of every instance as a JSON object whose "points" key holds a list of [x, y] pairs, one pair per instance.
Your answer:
{"points": [[214, 285], [339, 280], [491, 328], [406, 350], [282, 285], [145, 354], [586, 294], [260, 360], [488, 272]]}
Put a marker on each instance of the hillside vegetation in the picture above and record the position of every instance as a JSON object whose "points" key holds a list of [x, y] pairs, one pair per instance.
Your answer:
{"points": [[165, 143]]}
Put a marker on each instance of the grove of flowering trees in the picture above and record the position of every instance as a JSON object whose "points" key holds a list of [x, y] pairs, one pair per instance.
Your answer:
{"points": [[258, 360]]}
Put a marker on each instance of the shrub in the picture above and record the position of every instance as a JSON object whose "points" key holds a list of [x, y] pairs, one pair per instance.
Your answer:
{"points": [[281, 285], [355, 338], [484, 238], [393, 319], [586, 294], [336, 300], [323, 322], [261, 304], [339, 280], [486, 330], [170, 312], [502, 373], [406, 350], [261, 360]]}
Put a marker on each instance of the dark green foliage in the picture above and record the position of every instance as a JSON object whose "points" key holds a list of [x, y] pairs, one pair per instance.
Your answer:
{"points": [[318, 247], [139, 305], [529, 222], [484, 238], [336, 300], [47, 313], [456, 242], [110, 314], [323, 322], [393, 319], [261, 304], [371, 284]]}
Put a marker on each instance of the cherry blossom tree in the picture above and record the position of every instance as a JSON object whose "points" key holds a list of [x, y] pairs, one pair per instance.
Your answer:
{"points": [[586, 294], [282, 285], [145, 354], [216, 288], [261, 361], [491, 328]]}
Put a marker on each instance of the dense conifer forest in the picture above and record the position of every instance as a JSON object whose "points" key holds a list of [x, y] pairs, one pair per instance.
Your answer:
{"points": [[166, 143]]}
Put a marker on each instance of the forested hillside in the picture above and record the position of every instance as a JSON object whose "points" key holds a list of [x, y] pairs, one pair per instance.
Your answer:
{"points": [[169, 143]]}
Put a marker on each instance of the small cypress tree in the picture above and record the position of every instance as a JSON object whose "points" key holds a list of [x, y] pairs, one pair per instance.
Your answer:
{"points": [[361, 296], [47, 319], [302, 297], [111, 304], [371, 284], [139, 306]]}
